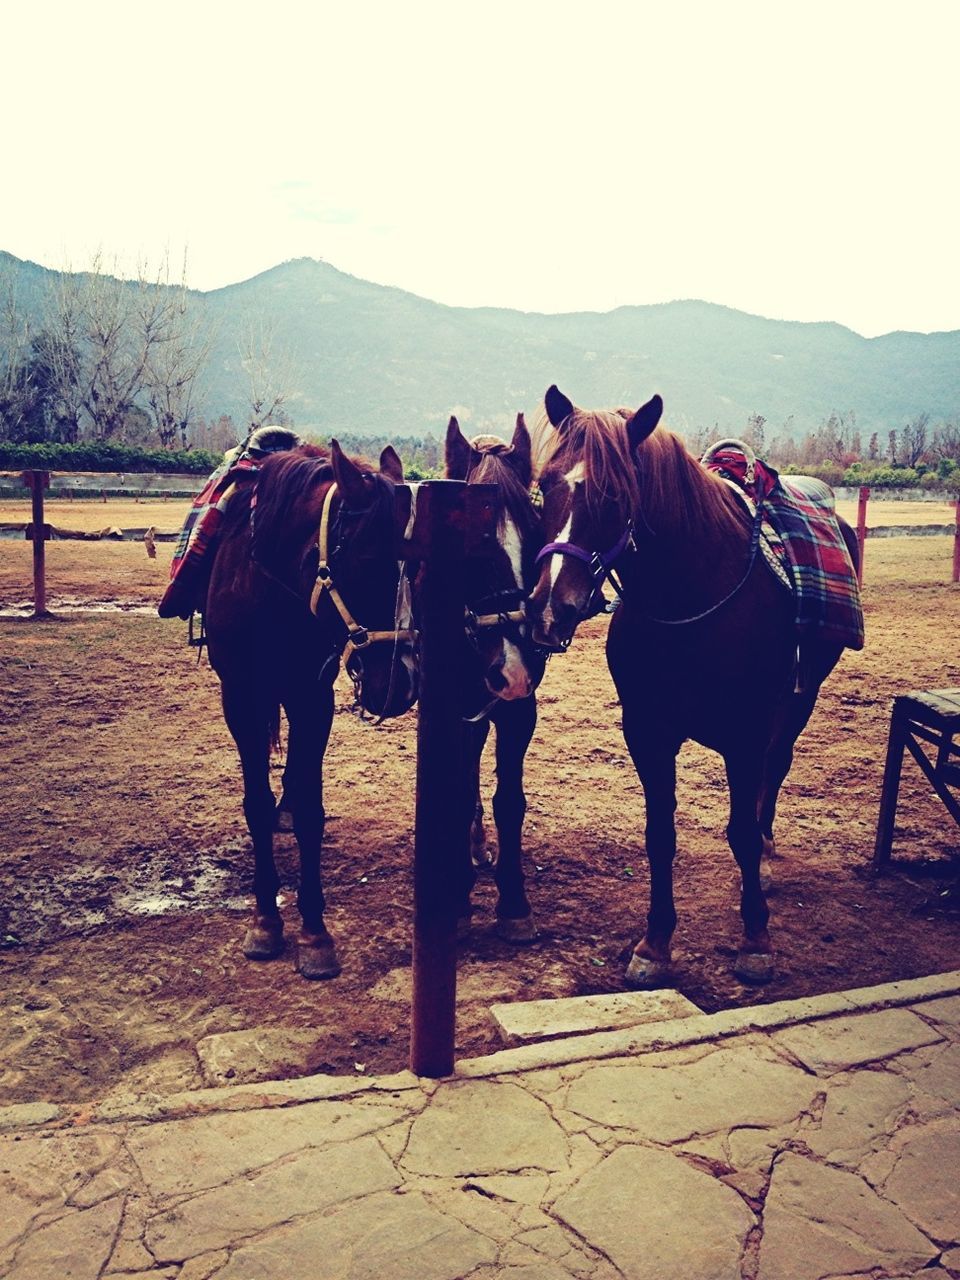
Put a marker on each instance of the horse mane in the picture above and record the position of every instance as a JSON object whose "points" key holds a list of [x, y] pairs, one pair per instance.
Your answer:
{"points": [[494, 469], [661, 484], [287, 510]]}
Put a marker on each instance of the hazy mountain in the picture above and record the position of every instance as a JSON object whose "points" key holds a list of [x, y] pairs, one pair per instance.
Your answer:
{"points": [[372, 359]]}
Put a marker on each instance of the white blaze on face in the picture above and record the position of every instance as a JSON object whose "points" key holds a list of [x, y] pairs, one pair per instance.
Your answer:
{"points": [[514, 669], [404, 622], [572, 478]]}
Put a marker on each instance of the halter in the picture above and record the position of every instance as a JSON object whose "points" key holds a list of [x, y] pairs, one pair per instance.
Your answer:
{"points": [[600, 564], [358, 637]]}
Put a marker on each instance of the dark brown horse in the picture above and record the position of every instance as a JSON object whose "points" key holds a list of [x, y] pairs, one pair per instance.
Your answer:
{"points": [[500, 659], [309, 573], [702, 646]]}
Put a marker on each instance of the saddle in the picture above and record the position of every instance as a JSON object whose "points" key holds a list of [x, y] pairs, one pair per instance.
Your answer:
{"points": [[801, 541]]}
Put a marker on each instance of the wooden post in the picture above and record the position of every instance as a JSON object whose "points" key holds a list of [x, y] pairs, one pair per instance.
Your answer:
{"points": [[36, 482], [445, 520], [862, 527], [956, 545]]}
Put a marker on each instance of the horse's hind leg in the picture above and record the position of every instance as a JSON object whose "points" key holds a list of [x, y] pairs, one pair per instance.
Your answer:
{"points": [[515, 723], [651, 962], [309, 717], [248, 719], [754, 961]]}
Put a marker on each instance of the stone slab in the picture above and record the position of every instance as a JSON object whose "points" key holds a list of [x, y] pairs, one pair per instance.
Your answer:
{"points": [[262, 1053], [819, 1221], [527, 1020], [653, 1215], [925, 1184], [837, 1044]]}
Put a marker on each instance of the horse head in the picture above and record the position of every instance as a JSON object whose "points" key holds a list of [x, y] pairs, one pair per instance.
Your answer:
{"points": [[497, 581], [588, 479], [368, 586]]}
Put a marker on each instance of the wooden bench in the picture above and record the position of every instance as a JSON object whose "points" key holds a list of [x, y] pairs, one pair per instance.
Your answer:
{"points": [[932, 717]]}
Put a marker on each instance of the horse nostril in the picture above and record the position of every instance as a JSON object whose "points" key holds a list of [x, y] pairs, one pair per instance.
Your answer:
{"points": [[496, 679]]}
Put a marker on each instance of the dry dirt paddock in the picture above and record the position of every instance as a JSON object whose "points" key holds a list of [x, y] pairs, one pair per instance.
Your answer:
{"points": [[124, 859]]}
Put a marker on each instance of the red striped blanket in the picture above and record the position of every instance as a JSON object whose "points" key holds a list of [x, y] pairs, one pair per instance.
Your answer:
{"points": [[801, 513], [192, 556]]}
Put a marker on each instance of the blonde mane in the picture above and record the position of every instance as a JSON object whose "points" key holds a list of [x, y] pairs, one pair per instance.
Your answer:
{"points": [[662, 485]]}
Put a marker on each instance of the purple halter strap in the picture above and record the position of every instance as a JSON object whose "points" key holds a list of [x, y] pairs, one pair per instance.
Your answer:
{"points": [[599, 561]]}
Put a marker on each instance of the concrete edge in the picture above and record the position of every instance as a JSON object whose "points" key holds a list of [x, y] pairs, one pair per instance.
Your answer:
{"points": [[624, 1042]]}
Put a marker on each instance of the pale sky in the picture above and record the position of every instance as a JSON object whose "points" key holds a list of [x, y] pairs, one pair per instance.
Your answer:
{"points": [[795, 160]]}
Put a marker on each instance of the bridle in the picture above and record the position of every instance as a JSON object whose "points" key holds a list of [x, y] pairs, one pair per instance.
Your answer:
{"points": [[600, 564], [358, 637]]}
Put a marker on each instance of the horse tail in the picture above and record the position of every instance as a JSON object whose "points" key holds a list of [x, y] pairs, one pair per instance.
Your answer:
{"points": [[853, 545]]}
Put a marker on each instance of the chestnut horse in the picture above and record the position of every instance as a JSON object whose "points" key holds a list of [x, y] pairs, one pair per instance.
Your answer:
{"points": [[310, 572], [703, 644], [499, 658]]}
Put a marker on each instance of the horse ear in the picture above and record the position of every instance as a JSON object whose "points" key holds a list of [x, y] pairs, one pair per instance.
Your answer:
{"points": [[391, 465], [644, 421], [458, 453], [522, 451], [557, 405], [349, 477]]}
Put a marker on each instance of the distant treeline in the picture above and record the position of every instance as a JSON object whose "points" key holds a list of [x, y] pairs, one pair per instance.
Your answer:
{"points": [[915, 457]]}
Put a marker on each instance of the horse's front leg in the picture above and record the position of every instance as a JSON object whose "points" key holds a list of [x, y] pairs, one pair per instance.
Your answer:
{"points": [[465, 808], [310, 715], [652, 963], [754, 961], [515, 723], [248, 718]]}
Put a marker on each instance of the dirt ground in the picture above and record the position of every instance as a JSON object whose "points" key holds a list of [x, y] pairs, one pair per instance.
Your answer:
{"points": [[124, 859]]}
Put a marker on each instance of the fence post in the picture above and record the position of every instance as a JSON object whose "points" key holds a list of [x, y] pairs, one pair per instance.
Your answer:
{"points": [[447, 517], [862, 527], [36, 482], [956, 543]]}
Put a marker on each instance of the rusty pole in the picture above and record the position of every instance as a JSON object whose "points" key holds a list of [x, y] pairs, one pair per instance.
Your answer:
{"points": [[862, 527], [448, 518], [36, 482]]}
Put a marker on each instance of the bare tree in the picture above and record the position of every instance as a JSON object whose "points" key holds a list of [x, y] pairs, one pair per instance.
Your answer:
{"points": [[913, 440], [172, 367], [270, 371], [946, 441], [115, 345], [16, 380]]}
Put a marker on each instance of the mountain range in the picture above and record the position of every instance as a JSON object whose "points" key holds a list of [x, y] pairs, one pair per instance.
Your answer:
{"points": [[376, 360]]}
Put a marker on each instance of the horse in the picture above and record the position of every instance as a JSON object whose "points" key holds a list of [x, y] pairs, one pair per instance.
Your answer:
{"points": [[305, 570], [703, 644], [498, 658]]}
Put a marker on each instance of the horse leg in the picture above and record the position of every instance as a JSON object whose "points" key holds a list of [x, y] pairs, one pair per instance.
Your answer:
{"points": [[651, 962], [248, 719], [754, 961], [310, 717], [466, 807], [515, 723], [480, 855]]}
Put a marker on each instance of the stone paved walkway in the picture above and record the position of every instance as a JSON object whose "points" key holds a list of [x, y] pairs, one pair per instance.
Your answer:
{"points": [[799, 1141]]}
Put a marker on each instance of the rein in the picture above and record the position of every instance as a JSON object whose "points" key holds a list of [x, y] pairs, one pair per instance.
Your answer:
{"points": [[601, 565]]}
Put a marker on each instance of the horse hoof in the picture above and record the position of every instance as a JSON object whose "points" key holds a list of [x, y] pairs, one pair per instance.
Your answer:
{"points": [[642, 972], [766, 878], [754, 966], [521, 929], [317, 960], [264, 939]]}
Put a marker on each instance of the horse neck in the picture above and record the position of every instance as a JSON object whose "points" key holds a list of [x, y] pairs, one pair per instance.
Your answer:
{"points": [[691, 531]]}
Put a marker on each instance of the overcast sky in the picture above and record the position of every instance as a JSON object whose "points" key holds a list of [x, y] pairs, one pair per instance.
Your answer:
{"points": [[796, 160]]}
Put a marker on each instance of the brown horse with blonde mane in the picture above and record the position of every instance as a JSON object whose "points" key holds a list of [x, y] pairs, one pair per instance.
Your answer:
{"points": [[703, 644]]}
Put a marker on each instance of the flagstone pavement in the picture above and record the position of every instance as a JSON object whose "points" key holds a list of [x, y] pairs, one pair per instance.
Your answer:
{"points": [[795, 1141]]}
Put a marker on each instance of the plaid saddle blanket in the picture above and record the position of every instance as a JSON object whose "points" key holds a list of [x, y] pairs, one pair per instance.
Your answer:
{"points": [[193, 554], [801, 529]]}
